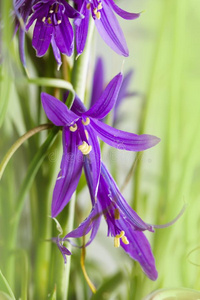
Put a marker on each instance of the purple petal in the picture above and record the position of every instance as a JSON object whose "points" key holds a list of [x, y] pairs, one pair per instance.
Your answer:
{"points": [[81, 29], [139, 249], [122, 139], [98, 82], [107, 100], [57, 111], [64, 36], [56, 52], [110, 31], [91, 223], [69, 174], [78, 106], [122, 13], [70, 11], [42, 35], [108, 183]]}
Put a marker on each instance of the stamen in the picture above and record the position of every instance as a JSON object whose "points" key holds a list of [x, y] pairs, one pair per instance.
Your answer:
{"points": [[87, 122], [51, 11], [117, 214], [88, 6], [49, 20], [59, 22], [73, 128], [95, 10], [100, 6], [85, 148], [125, 240], [116, 242], [98, 15], [43, 19], [57, 7], [86, 133]]}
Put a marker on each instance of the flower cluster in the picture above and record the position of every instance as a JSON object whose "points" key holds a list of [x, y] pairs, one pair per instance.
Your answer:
{"points": [[82, 128], [53, 26]]}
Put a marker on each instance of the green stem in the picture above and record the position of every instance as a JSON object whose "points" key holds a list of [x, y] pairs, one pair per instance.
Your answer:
{"points": [[18, 143]]}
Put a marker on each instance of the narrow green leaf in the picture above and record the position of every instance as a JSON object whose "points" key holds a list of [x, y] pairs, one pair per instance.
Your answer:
{"points": [[5, 288], [52, 82], [109, 285], [53, 296]]}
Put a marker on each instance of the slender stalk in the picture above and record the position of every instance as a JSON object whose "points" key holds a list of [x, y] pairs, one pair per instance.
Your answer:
{"points": [[19, 142]]}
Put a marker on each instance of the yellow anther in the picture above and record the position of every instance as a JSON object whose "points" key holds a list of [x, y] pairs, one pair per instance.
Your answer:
{"points": [[95, 10], [98, 15], [51, 11], [116, 242], [100, 6], [121, 234], [87, 122], [49, 20], [85, 148], [73, 128], [117, 214], [43, 19], [125, 240], [86, 133], [88, 6], [59, 22]]}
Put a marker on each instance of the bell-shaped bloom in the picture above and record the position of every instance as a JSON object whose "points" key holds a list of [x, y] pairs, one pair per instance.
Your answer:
{"points": [[53, 27], [103, 13], [22, 10], [124, 225], [81, 128]]}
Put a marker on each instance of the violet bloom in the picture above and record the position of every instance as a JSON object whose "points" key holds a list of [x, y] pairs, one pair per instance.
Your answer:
{"points": [[106, 24], [81, 128], [124, 225], [22, 10], [53, 27]]}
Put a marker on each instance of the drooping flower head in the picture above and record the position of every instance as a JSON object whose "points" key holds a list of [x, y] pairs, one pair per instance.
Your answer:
{"points": [[124, 225], [81, 128], [53, 27], [106, 24]]}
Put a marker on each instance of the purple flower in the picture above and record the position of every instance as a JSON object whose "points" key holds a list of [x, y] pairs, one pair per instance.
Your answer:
{"points": [[22, 10], [53, 27], [106, 24], [81, 128], [123, 223]]}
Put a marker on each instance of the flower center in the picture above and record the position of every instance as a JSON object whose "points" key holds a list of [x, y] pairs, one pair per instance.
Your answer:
{"points": [[54, 15], [96, 9], [85, 148], [122, 237]]}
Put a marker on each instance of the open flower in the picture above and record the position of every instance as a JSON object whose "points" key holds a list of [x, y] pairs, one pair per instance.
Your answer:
{"points": [[124, 225], [106, 24], [53, 27], [81, 128]]}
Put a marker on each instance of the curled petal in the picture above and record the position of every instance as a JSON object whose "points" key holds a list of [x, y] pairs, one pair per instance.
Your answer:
{"points": [[57, 111], [122, 13], [122, 139], [91, 223]]}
